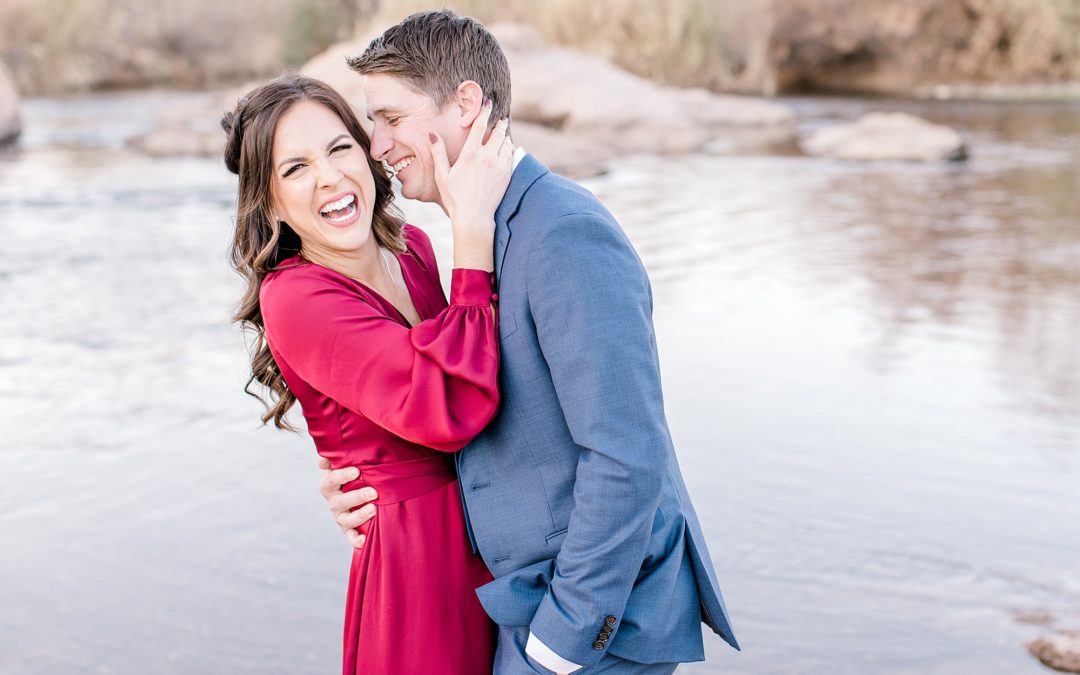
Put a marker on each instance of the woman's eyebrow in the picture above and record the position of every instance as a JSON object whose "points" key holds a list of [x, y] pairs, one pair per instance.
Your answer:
{"points": [[300, 159]]}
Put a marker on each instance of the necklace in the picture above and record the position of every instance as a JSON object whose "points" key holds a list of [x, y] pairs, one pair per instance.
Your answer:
{"points": [[389, 275]]}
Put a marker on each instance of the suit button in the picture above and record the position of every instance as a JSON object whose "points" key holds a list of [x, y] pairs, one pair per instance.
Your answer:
{"points": [[605, 631], [598, 645], [602, 637], [610, 620]]}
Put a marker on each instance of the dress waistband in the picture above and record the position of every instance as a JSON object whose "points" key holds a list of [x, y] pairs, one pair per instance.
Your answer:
{"points": [[398, 481]]}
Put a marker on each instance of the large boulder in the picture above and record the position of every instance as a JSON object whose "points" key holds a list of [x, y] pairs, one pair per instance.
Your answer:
{"points": [[10, 120], [585, 96], [885, 136]]}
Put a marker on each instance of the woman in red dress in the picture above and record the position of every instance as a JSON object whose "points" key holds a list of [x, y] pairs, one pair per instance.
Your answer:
{"points": [[350, 320]]}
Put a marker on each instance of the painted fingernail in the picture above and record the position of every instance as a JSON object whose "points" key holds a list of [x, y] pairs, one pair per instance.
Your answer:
{"points": [[488, 103], [434, 139]]}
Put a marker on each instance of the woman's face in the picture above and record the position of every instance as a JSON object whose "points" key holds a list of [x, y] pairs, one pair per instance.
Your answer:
{"points": [[322, 185]]}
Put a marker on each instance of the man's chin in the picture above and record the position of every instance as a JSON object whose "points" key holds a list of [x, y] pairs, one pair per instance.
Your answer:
{"points": [[417, 195]]}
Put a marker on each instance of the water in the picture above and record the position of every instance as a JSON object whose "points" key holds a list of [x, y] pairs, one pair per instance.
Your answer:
{"points": [[871, 375]]}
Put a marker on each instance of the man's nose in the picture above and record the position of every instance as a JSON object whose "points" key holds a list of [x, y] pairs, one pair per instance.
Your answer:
{"points": [[380, 144]]}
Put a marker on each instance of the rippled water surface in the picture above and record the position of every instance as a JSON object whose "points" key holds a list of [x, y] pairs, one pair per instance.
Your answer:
{"points": [[872, 375]]}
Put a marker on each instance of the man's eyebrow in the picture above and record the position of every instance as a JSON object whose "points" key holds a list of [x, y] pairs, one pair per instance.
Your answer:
{"points": [[300, 159], [384, 111]]}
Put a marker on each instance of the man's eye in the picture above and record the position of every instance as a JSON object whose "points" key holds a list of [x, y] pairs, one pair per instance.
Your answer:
{"points": [[291, 170], [392, 121]]}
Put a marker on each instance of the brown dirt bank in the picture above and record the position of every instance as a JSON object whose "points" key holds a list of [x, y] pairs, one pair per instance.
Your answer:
{"points": [[904, 46]]}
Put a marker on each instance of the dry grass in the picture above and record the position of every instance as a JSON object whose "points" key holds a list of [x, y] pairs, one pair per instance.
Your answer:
{"points": [[71, 45]]}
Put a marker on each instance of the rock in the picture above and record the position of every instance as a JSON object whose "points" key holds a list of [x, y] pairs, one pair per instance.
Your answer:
{"points": [[587, 97], [878, 136], [1034, 617], [191, 130], [1060, 651], [571, 156], [10, 120]]}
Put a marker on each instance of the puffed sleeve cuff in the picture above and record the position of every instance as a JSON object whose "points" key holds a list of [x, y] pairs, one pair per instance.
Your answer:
{"points": [[472, 287]]}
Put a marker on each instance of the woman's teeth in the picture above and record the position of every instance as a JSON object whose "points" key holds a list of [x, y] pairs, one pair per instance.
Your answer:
{"points": [[339, 210]]}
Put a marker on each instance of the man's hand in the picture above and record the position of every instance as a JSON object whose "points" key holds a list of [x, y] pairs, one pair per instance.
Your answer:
{"points": [[342, 504]]}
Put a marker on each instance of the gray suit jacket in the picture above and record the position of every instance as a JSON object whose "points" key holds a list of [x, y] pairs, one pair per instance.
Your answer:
{"points": [[573, 494]]}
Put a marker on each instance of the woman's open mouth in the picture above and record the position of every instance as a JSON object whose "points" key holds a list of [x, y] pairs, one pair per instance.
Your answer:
{"points": [[341, 211]]}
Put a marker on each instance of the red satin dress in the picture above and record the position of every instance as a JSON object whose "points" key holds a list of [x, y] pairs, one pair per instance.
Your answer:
{"points": [[397, 401]]}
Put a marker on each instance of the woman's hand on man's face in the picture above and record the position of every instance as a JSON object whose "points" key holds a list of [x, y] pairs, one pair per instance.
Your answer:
{"points": [[350, 509]]}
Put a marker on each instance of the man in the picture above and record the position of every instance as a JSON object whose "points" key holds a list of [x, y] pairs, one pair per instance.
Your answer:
{"points": [[573, 495]]}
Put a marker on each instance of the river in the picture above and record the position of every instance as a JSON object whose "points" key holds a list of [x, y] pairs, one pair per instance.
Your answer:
{"points": [[872, 375]]}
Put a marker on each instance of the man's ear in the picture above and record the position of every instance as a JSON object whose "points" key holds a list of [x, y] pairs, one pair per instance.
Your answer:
{"points": [[468, 100]]}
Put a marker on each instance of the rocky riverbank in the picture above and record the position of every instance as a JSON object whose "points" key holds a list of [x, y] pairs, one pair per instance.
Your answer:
{"points": [[576, 112]]}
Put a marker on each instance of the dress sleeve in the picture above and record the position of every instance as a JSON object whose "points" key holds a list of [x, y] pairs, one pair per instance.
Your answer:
{"points": [[435, 384]]}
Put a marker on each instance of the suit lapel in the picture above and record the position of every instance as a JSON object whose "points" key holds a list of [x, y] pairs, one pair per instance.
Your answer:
{"points": [[527, 172]]}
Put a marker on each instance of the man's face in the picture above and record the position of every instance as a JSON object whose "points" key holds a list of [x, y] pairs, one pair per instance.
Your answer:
{"points": [[403, 119]]}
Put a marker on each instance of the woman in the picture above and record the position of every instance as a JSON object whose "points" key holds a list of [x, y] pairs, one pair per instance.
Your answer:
{"points": [[350, 320]]}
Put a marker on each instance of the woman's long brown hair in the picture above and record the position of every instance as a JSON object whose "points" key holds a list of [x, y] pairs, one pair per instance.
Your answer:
{"points": [[261, 242]]}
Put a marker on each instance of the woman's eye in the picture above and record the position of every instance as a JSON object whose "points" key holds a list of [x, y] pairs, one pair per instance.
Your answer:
{"points": [[343, 146], [291, 170]]}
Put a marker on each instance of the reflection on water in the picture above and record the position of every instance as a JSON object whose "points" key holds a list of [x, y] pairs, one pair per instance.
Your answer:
{"points": [[871, 374]]}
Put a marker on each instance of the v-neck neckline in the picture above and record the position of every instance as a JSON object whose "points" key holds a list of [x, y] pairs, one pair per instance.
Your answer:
{"points": [[408, 291], [382, 299]]}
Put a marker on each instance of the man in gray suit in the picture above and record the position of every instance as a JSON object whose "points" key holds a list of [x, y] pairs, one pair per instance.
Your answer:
{"points": [[573, 494]]}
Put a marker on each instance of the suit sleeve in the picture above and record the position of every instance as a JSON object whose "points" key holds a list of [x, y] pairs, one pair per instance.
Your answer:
{"points": [[434, 384], [592, 307]]}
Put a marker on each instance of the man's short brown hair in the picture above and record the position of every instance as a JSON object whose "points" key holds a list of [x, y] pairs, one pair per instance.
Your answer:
{"points": [[435, 52]]}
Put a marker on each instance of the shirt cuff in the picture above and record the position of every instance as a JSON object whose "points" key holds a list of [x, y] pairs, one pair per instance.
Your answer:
{"points": [[542, 654], [472, 287]]}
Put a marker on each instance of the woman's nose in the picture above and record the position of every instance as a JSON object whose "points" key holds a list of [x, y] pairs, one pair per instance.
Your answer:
{"points": [[329, 174]]}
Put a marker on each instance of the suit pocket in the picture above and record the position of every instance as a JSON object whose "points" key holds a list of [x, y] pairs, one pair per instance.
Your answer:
{"points": [[512, 599], [555, 539]]}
